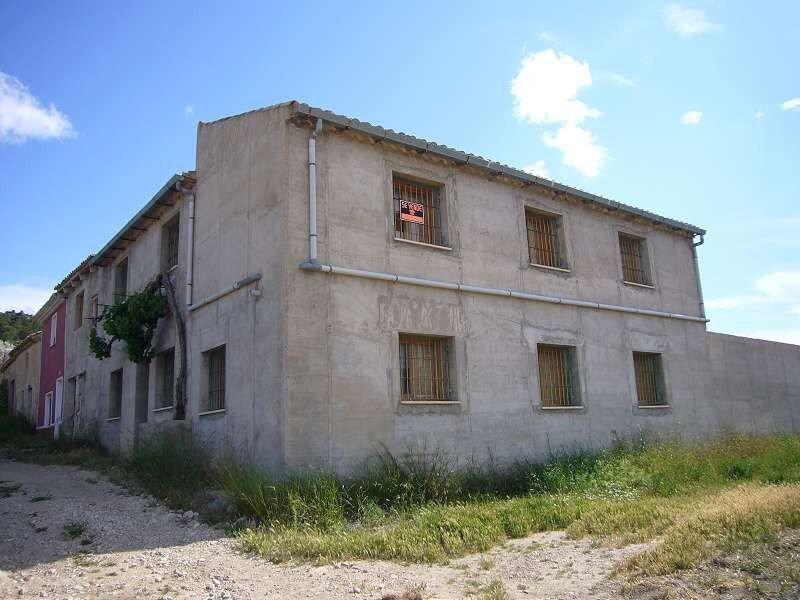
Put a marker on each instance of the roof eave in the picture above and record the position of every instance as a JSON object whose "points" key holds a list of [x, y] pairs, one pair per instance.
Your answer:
{"points": [[421, 145]]}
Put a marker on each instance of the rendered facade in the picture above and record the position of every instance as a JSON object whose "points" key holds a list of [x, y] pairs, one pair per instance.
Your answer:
{"points": [[344, 288]]}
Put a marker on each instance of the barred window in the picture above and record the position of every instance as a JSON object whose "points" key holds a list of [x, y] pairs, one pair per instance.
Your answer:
{"points": [[169, 240], [558, 376], [649, 379], [115, 395], [166, 379], [418, 212], [215, 365], [635, 268], [425, 368], [121, 281], [545, 239]]}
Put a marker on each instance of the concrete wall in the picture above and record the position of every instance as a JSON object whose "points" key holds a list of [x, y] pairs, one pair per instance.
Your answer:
{"points": [[87, 378], [240, 231], [341, 380], [757, 383]]}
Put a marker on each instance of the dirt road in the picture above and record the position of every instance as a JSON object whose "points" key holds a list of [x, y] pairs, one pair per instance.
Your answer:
{"points": [[70, 533]]}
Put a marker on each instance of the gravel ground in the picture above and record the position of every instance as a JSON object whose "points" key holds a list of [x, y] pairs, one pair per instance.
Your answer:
{"points": [[128, 546]]}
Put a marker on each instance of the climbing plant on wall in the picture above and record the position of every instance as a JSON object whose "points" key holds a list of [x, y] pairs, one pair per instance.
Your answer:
{"points": [[133, 320]]}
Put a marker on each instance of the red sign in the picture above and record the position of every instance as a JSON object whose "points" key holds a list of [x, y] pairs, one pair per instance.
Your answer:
{"points": [[413, 212]]}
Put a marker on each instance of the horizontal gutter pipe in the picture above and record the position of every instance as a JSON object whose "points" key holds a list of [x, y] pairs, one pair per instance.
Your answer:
{"points": [[474, 289], [238, 285]]}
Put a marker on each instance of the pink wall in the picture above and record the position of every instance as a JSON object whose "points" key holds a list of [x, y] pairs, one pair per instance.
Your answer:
{"points": [[52, 360]]}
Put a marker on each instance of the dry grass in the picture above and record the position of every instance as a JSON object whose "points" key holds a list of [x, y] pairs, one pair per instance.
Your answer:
{"points": [[728, 522]]}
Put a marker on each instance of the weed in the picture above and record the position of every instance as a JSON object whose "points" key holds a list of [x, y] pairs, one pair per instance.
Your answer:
{"points": [[73, 529], [492, 591], [42, 498], [7, 489], [171, 466]]}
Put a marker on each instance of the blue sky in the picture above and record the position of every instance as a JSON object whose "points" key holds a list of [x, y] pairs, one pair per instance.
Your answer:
{"points": [[690, 110]]}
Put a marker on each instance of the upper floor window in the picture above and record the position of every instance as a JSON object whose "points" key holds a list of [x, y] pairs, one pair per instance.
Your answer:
{"points": [[418, 214], [425, 368], [545, 239], [121, 281], [94, 308], [558, 380], [53, 329], [169, 243], [78, 314], [649, 379], [635, 262]]}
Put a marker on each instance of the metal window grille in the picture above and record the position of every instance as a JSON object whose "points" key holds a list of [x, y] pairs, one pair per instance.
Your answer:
{"points": [[557, 381], [425, 368], [115, 395], [216, 379], [121, 281], [171, 233], [166, 395], [634, 262], [649, 379], [78, 321], [544, 239], [428, 232]]}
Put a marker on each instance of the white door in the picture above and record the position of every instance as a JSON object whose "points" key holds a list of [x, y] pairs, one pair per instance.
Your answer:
{"points": [[59, 405], [48, 408]]}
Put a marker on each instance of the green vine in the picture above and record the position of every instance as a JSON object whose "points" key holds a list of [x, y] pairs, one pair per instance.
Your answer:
{"points": [[133, 320]]}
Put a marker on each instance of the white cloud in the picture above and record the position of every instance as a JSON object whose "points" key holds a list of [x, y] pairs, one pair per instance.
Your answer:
{"points": [[27, 298], [538, 168], [779, 287], [579, 147], [546, 87], [759, 114], [615, 78], [545, 90], [687, 22], [546, 36], [189, 110], [793, 104], [23, 117], [693, 117]]}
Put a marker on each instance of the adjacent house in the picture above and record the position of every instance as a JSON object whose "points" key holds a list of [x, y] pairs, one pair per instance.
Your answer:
{"points": [[51, 379], [340, 288], [20, 371]]}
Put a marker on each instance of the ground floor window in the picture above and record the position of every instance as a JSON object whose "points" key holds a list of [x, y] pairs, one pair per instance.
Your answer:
{"points": [[649, 379], [215, 370], [115, 395], [558, 381], [165, 368], [425, 368]]}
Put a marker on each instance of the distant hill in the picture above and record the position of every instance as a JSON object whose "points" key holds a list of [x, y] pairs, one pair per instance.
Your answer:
{"points": [[14, 326]]}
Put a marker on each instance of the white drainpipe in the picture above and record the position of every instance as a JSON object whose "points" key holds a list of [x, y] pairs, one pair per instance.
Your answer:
{"points": [[312, 194], [697, 274], [189, 244]]}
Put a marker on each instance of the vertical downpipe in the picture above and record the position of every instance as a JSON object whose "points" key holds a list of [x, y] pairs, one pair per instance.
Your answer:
{"points": [[312, 193], [697, 274]]}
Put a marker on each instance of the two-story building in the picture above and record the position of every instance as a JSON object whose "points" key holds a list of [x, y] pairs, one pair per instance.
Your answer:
{"points": [[346, 288]]}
